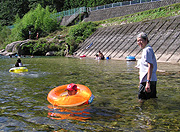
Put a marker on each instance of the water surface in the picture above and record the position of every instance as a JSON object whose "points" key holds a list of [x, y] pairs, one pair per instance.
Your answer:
{"points": [[24, 106]]}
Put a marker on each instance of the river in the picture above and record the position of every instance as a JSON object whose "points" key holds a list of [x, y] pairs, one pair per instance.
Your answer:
{"points": [[24, 105]]}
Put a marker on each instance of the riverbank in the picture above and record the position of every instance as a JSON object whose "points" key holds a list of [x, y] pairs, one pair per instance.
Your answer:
{"points": [[116, 37], [119, 41]]}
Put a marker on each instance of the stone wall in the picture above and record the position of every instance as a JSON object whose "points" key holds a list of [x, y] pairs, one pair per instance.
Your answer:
{"points": [[120, 41], [121, 11], [64, 20], [125, 10]]}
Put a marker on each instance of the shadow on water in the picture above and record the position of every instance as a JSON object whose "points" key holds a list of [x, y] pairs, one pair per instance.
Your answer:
{"points": [[24, 105]]}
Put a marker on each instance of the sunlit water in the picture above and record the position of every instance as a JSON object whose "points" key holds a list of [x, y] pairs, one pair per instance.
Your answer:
{"points": [[24, 105]]}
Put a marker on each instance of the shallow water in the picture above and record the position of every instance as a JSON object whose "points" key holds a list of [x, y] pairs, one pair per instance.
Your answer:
{"points": [[24, 106]]}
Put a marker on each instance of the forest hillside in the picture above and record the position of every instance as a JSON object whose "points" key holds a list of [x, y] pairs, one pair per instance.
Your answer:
{"points": [[11, 8]]}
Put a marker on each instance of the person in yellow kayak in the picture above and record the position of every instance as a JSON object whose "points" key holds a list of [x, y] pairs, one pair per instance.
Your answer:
{"points": [[18, 63]]}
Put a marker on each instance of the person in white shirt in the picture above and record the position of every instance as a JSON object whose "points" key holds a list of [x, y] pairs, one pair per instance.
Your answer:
{"points": [[147, 69]]}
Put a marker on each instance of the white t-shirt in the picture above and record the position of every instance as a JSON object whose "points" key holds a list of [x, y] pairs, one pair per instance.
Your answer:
{"points": [[147, 57], [20, 64]]}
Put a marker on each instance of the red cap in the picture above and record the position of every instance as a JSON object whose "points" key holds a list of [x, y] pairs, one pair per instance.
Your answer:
{"points": [[71, 87]]}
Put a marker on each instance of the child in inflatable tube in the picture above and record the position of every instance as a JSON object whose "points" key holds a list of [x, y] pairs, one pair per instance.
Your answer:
{"points": [[72, 89], [70, 95]]}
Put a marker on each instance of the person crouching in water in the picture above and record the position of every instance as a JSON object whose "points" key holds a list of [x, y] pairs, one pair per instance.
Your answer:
{"points": [[72, 89], [101, 56], [18, 63]]}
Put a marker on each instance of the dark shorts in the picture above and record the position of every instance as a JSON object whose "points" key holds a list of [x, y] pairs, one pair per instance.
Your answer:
{"points": [[142, 94]]}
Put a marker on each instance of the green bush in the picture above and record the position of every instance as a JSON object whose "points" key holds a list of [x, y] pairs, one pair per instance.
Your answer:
{"points": [[59, 53], [40, 48], [4, 33], [38, 20], [78, 33]]}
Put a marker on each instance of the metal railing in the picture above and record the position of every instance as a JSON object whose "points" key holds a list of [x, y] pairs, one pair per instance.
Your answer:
{"points": [[119, 4], [11, 27], [72, 12], [89, 9]]}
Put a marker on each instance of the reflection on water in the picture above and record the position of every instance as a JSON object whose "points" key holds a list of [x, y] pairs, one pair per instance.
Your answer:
{"points": [[29, 74], [130, 65], [73, 113], [24, 105]]}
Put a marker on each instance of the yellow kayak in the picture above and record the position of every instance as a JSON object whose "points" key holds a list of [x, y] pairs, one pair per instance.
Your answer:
{"points": [[18, 69]]}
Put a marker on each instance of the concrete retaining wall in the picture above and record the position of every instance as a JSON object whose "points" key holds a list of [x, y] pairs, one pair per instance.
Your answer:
{"points": [[120, 41], [64, 20], [120, 11], [125, 10]]}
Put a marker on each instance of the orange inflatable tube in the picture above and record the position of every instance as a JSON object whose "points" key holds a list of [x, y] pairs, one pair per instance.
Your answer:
{"points": [[58, 96]]}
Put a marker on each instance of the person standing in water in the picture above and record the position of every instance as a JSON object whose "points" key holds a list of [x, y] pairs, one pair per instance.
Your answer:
{"points": [[147, 69]]}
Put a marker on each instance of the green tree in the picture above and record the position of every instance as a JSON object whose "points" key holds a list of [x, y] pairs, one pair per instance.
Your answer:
{"points": [[9, 8], [78, 33], [4, 33], [53, 4], [38, 20], [5, 12]]}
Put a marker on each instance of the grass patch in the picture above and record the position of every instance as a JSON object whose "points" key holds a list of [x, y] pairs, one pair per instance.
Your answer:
{"points": [[162, 12]]}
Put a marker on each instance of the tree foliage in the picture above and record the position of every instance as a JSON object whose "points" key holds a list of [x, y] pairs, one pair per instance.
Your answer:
{"points": [[39, 20], [36, 15], [10, 8], [78, 33], [4, 33], [40, 47]]}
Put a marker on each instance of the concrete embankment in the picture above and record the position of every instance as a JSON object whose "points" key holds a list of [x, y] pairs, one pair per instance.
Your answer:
{"points": [[120, 41], [107, 13]]}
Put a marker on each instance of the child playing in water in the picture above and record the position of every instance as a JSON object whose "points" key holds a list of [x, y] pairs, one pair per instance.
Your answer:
{"points": [[72, 89]]}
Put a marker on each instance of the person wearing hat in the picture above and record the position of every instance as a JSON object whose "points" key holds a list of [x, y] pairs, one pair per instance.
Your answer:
{"points": [[72, 89], [147, 69], [18, 63]]}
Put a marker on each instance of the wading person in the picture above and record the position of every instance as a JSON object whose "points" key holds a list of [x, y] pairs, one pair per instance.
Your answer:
{"points": [[101, 56], [147, 69]]}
